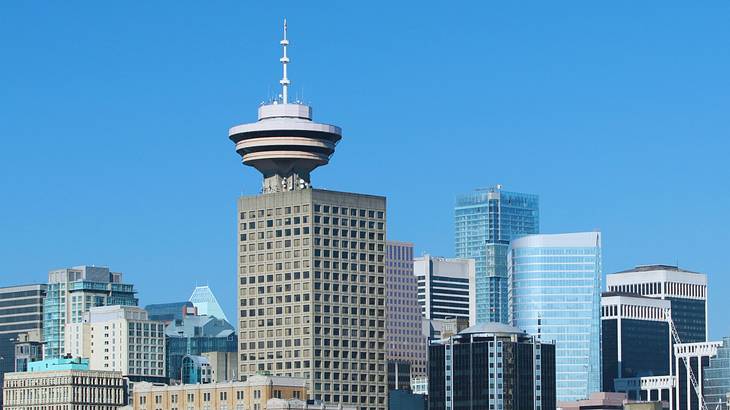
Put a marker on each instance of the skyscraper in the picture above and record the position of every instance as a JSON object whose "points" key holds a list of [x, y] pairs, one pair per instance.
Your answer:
{"points": [[71, 293], [635, 337], [686, 290], [311, 263], [444, 286], [555, 293], [486, 220], [406, 342], [21, 311]]}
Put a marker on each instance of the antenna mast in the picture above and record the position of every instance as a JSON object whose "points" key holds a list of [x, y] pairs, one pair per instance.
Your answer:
{"points": [[284, 61]]}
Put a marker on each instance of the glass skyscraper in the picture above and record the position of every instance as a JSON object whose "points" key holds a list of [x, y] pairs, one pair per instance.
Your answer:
{"points": [[555, 294], [486, 220]]}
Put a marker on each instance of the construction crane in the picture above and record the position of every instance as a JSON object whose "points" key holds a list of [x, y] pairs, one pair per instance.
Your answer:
{"points": [[685, 359]]}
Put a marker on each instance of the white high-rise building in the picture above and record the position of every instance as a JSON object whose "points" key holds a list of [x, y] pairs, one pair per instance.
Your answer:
{"points": [[445, 287], [120, 338]]}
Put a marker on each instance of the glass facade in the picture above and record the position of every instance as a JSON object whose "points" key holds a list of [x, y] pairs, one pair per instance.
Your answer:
{"points": [[71, 293], [195, 335], [555, 293], [716, 378], [485, 223]]}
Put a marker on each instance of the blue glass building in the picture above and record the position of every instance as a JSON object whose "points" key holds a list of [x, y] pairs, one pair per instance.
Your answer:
{"points": [[167, 312], [485, 222], [555, 294], [716, 378], [195, 335]]}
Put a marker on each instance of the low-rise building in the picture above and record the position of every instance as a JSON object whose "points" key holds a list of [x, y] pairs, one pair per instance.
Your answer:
{"points": [[63, 384], [596, 401], [252, 394]]}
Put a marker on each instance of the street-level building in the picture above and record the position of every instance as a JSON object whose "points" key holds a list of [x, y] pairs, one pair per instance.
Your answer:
{"points": [[485, 221], [66, 384], [445, 286], [120, 338], [596, 401], [491, 366], [21, 311], [635, 337], [252, 394], [405, 340], [555, 294], [311, 263], [72, 292]]}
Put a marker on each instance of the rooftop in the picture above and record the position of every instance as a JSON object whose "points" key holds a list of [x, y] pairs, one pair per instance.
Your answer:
{"points": [[651, 268], [492, 327]]}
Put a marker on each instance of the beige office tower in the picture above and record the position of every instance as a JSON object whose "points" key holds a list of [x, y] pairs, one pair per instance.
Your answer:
{"points": [[311, 269]]}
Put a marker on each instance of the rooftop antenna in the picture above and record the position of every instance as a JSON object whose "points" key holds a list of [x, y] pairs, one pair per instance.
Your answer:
{"points": [[284, 61]]}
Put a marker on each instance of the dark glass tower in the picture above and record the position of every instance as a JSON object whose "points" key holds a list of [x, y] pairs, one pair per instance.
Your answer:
{"points": [[635, 337], [491, 366]]}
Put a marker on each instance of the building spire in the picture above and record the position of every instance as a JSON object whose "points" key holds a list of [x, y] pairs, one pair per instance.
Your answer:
{"points": [[284, 61]]}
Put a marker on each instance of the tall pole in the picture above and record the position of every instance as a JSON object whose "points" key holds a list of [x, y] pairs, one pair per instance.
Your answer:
{"points": [[284, 61]]}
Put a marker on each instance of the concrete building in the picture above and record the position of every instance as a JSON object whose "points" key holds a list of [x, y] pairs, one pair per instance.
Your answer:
{"points": [[120, 338], [555, 294], [491, 366], [405, 340], [28, 348], [311, 263], [199, 335], [596, 401], [716, 383], [252, 394], [445, 287], [206, 303], [223, 365], [21, 311], [167, 312], [635, 337], [486, 220], [64, 384], [71, 293]]}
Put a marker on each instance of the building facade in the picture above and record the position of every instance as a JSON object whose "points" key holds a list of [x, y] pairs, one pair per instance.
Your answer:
{"points": [[445, 286], [167, 312], [252, 394], [120, 338], [64, 384], [686, 290], [71, 293], [196, 335], [491, 366], [21, 311], [405, 339], [311, 263], [206, 303], [555, 294], [716, 378], [635, 337], [28, 348], [486, 220], [596, 401]]}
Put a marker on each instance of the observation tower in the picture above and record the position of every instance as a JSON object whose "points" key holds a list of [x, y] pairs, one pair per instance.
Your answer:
{"points": [[285, 145]]}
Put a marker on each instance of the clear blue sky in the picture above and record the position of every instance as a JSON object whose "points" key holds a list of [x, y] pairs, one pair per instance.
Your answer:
{"points": [[114, 119]]}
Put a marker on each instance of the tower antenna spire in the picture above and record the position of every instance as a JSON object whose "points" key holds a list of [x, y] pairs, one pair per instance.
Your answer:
{"points": [[284, 61]]}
